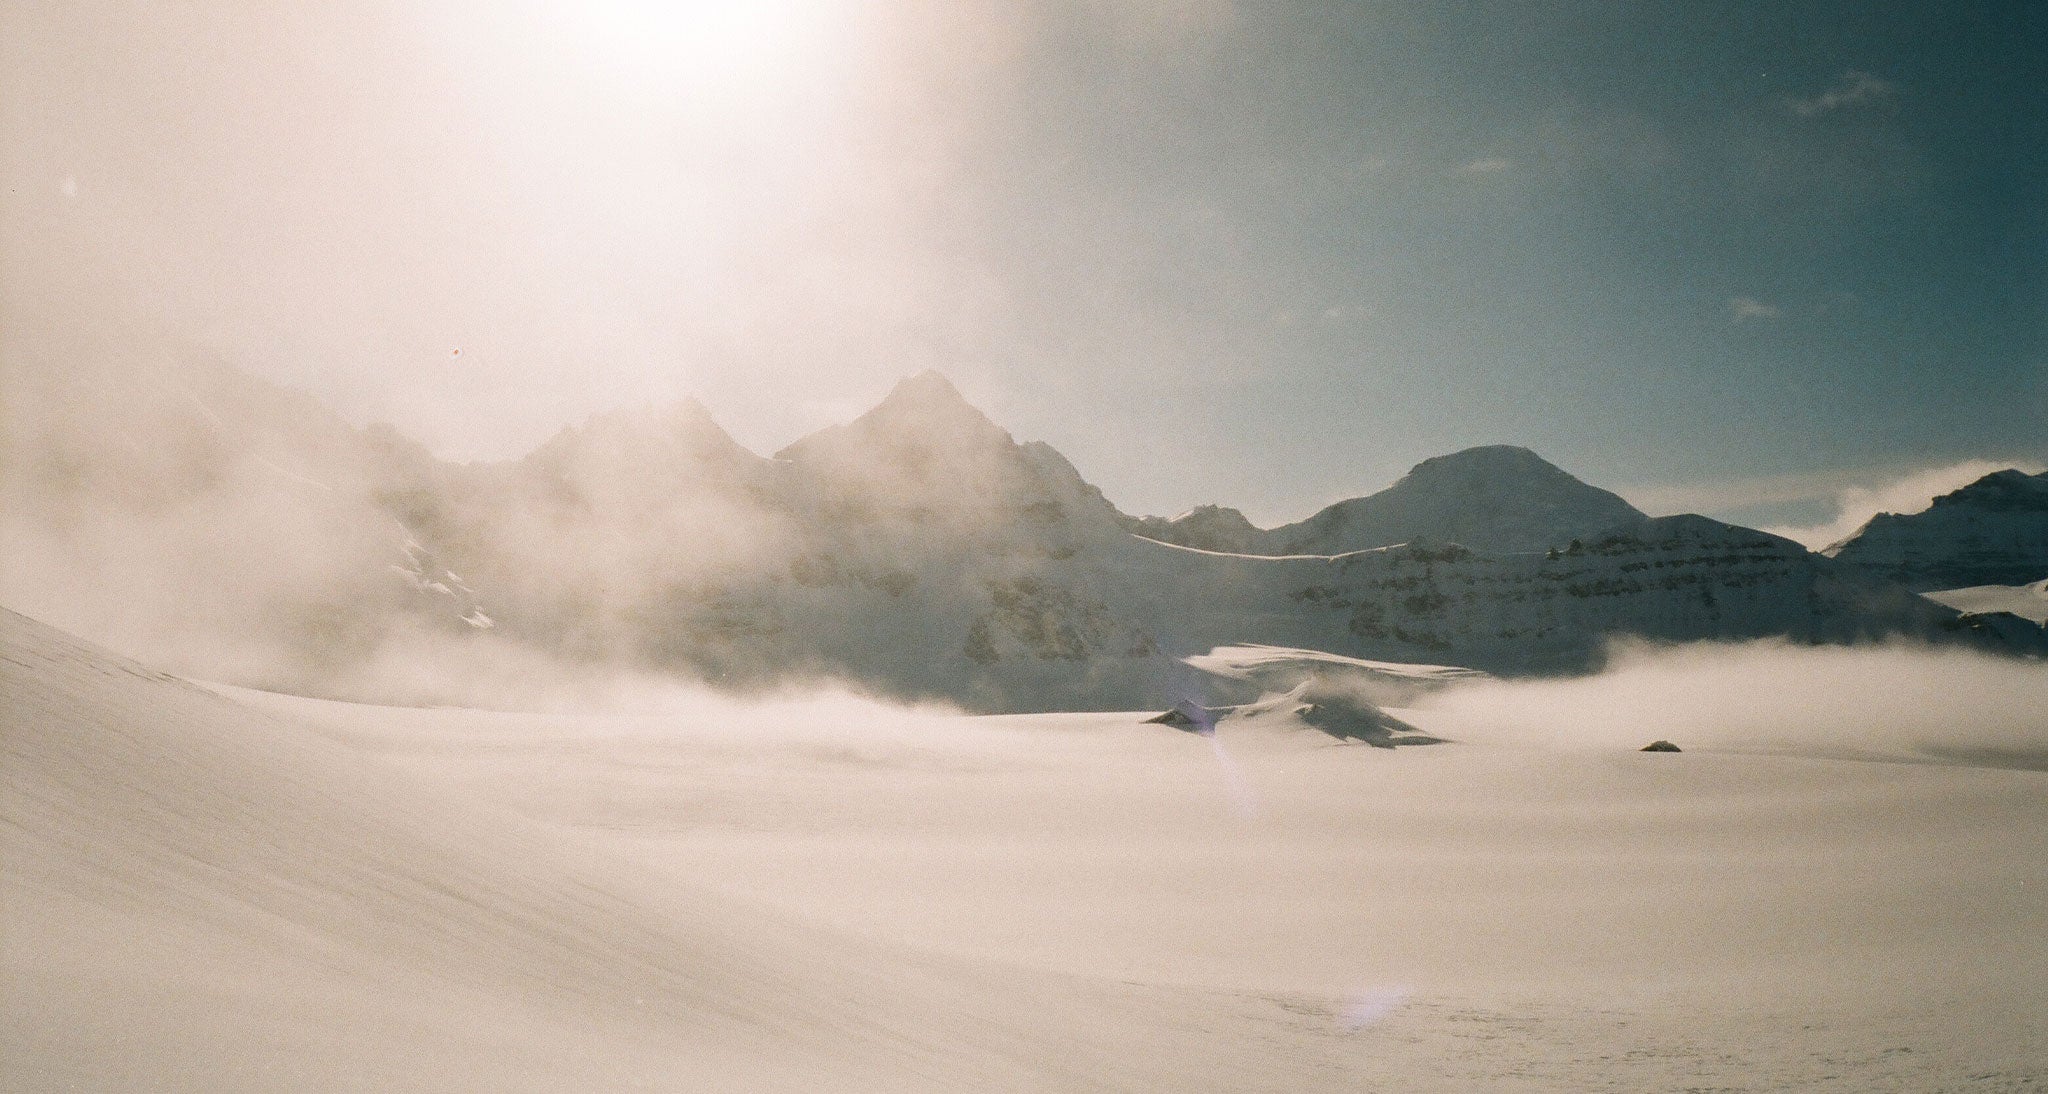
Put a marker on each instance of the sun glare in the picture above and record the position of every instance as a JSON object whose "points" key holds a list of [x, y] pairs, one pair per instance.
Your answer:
{"points": [[654, 45]]}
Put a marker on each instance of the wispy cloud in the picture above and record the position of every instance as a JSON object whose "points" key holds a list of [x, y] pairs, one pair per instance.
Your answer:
{"points": [[1491, 165], [1803, 488], [1852, 89], [1749, 307], [1909, 493]]}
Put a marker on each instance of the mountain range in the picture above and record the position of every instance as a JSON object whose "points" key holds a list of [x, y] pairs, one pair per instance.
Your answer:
{"points": [[232, 529]]}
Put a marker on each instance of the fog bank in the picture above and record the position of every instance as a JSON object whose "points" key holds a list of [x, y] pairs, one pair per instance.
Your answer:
{"points": [[1875, 701]]}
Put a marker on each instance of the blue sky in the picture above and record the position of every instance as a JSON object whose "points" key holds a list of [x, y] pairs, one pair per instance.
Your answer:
{"points": [[1730, 257], [1657, 242]]}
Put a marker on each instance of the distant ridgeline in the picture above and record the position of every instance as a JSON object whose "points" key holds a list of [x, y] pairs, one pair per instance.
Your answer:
{"points": [[918, 550]]}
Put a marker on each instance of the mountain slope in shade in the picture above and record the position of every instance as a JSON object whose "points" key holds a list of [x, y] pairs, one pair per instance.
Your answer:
{"points": [[1992, 532]]}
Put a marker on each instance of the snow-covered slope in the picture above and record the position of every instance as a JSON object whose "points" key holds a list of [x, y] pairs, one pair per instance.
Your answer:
{"points": [[2029, 602], [199, 896], [1992, 532]]}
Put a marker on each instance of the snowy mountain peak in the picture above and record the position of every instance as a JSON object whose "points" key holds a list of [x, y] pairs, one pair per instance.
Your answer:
{"points": [[918, 550], [1503, 471], [929, 401], [1992, 532], [1490, 460], [1222, 514], [929, 387], [924, 414], [1494, 498]]}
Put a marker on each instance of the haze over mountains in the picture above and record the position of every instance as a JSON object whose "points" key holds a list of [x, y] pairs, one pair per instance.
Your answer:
{"points": [[918, 551]]}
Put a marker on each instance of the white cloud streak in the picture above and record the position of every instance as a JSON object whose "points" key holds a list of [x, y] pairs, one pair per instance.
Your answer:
{"points": [[1853, 89], [1745, 308]]}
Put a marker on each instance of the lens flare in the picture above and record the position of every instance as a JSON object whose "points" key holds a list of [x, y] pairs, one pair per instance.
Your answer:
{"points": [[1371, 1006]]}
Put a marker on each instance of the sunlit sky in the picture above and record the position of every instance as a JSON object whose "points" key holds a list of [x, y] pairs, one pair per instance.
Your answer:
{"points": [[1733, 257]]}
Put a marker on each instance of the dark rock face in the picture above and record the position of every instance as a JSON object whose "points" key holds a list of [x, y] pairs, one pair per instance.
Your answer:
{"points": [[1660, 746]]}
